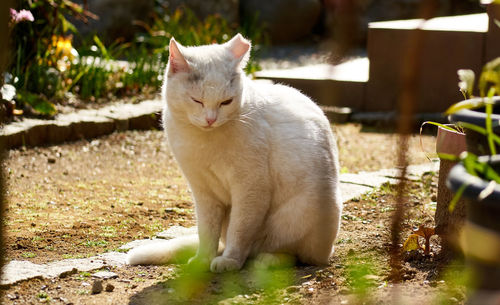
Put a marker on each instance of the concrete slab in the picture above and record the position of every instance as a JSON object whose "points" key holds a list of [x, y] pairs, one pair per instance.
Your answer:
{"points": [[104, 275], [354, 70], [443, 52], [463, 23], [340, 85], [17, 271]]}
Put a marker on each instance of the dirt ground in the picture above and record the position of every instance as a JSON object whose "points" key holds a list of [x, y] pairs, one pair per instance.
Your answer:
{"points": [[79, 199]]}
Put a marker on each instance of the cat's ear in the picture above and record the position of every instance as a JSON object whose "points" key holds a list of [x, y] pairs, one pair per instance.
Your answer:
{"points": [[176, 61], [240, 49]]}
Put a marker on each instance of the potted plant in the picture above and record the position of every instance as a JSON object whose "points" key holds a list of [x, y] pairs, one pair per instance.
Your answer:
{"points": [[450, 143], [476, 178]]}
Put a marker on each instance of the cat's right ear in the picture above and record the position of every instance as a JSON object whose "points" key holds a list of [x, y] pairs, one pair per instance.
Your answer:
{"points": [[176, 61]]}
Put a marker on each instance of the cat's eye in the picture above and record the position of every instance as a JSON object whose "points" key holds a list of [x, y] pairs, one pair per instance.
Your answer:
{"points": [[226, 102], [196, 101]]}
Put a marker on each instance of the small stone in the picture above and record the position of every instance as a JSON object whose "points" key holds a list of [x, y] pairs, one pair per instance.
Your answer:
{"points": [[371, 277], [97, 287], [67, 273], [293, 289], [13, 296], [105, 275], [109, 288], [64, 300], [51, 160], [344, 291]]}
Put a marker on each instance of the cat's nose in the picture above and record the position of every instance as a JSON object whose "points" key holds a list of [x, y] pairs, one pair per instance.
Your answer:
{"points": [[210, 121]]}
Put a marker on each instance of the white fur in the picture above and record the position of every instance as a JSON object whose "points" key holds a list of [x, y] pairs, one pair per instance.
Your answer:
{"points": [[163, 251], [264, 175]]}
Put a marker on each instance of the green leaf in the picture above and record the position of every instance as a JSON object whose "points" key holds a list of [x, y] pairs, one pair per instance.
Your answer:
{"points": [[448, 157], [68, 26], [447, 127], [467, 104], [457, 197], [39, 103], [480, 130], [489, 129], [101, 46]]}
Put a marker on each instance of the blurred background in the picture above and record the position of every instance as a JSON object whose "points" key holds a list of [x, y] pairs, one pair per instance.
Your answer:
{"points": [[68, 54]]}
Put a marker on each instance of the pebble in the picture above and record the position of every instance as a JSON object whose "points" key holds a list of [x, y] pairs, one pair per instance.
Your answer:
{"points": [[344, 291], [97, 287], [292, 289], [104, 275], [13, 296], [109, 288]]}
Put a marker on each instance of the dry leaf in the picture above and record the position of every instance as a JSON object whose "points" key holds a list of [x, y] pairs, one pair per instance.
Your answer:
{"points": [[411, 243], [425, 233]]}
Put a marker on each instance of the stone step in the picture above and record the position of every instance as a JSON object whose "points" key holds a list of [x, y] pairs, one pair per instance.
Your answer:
{"points": [[447, 44], [339, 85]]}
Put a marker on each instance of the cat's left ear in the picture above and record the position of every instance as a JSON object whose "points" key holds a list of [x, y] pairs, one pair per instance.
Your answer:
{"points": [[240, 49], [176, 62]]}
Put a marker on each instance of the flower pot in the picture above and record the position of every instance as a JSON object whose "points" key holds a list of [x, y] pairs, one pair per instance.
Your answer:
{"points": [[480, 238], [476, 142], [448, 224]]}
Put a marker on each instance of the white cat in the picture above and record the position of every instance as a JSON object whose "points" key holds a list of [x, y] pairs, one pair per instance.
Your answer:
{"points": [[260, 159]]}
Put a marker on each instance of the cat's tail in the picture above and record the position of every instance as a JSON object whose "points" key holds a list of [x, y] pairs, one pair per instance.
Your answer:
{"points": [[172, 251]]}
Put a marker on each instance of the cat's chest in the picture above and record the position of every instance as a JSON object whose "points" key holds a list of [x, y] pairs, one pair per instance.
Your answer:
{"points": [[214, 156]]}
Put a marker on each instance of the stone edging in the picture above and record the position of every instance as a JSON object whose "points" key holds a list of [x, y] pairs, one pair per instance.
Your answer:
{"points": [[82, 124]]}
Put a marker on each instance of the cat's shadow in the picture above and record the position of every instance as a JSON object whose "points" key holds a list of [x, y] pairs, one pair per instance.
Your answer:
{"points": [[196, 287]]}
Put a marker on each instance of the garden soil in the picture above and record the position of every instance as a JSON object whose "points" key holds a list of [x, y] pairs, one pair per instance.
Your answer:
{"points": [[88, 197]]}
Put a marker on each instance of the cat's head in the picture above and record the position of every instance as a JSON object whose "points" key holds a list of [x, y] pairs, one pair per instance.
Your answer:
{"points": [[204, 84]]}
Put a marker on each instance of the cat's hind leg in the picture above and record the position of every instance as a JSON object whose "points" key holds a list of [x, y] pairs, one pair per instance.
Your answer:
{"points": [[266, 260]]}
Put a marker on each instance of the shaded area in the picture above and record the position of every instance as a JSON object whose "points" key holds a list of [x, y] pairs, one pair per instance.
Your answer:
{"points": [[192, 286]]}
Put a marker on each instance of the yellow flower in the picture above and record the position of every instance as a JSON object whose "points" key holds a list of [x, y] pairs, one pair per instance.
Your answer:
{"points": [[63, 47], [64, 51]]}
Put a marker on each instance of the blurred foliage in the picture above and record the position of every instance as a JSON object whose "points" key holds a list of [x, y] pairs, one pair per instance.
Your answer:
{"points": [[189, 30], [46, 69]]}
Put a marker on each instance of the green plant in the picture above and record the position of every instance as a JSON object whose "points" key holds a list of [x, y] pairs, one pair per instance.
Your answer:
{"points": [[42, 50], [46, 69], [488, 86], [190, 30]]}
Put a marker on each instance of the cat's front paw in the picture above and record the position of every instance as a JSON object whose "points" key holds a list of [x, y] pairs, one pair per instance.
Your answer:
{"points": [[224, 264], [199, 263]]}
